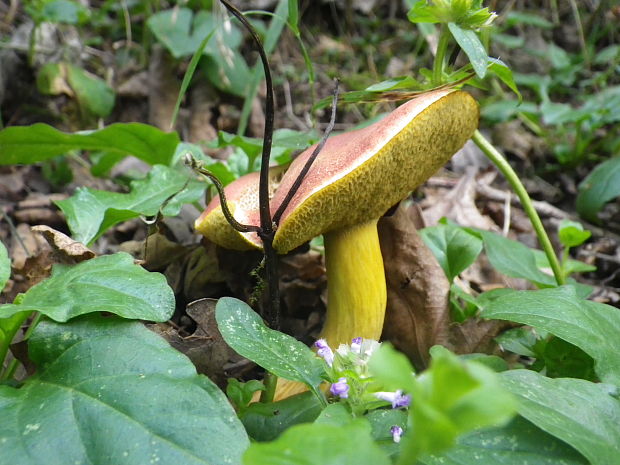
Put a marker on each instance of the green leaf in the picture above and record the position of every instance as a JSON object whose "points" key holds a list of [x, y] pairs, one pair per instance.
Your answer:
{"points": [[572, 234], [402, 82], [92, 212], [450, 398], [92, 93], [63, 11], [392, 368], [110, 283], [5, 266], [517, 443], [266, 421], [319, 443], [243, 330], [473, 48], [109, 391], [336, 414], [591, 326], [454, 248], [240, 394], [504, 73], [583, 414], [31, 144], [598, 188], [228, 73], [570, 266], [514, 259], [181, 31]]}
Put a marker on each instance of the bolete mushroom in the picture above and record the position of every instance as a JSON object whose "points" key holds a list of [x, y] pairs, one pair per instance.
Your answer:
{"points": [[355, 179]]}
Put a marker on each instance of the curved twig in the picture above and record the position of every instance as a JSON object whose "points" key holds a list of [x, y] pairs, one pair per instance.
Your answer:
{"points": [[289, 195]]}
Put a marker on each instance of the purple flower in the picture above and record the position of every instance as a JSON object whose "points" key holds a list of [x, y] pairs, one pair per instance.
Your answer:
{"points": [[397, 399], [324, 351], [340, 389], [356, 345], [397, 432]]}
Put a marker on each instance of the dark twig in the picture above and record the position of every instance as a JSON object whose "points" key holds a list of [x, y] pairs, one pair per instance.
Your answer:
{"points": [[195, 165], [263, 194], [293, 190], [266, 231]]}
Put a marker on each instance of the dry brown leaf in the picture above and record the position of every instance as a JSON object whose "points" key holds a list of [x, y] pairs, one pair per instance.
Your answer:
{"points": [[163, 88], [205, 347], [476, 336], [66, 250], [417, 315], [459, 205]]}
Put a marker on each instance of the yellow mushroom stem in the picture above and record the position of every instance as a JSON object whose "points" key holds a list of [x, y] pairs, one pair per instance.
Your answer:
{"points": [[356, 294]]}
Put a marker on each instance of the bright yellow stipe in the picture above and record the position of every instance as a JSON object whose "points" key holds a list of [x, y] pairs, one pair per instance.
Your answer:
{"points": [[356, 294]]}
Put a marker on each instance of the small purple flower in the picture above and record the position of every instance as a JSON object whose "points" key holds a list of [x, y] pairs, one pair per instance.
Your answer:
{"points": [[340, 389], [324, 351], [397, 432], [356, 345], [397, 399]]}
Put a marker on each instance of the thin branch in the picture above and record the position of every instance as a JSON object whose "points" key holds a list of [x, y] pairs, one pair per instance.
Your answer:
{"points": [[295, 187], [197, 167], [263, 194]]}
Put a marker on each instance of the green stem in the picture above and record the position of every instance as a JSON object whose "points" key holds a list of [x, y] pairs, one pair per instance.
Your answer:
{"points": [[9, 329], [440, 55], [270, 382], [510, 175]]}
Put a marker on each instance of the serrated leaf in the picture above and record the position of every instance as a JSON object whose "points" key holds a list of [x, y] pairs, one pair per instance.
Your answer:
{"points": [[583, 414], [473, 48], [454, 248], [91, 212], [39, 142], [517, 443], [591, 326], [319, 443], [109, 391], [5, 266], [598, 188], [110, 283], [244, 330]]}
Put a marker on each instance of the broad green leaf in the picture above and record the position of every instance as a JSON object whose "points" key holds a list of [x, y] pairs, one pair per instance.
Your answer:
{"points": [[454, 248], [319, 443], [381, 422], [181, 32], [108, 391], [572, 234], [5, 266], [473, 48], [63, 11], [229, 73], [570, 266], [519, 17], [583, 414], [267, 421], [517, 443], [450, 398], [514, 259], [392, 368], [92, 212], [504, 73], [591, 326], [39, 142], [92, 93], [110, 283], [244, 330], [336, 414], [598, 188]]}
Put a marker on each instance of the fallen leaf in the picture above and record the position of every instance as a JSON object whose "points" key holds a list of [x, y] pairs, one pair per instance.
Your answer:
{"points": [[66, 250], [417, 315]]}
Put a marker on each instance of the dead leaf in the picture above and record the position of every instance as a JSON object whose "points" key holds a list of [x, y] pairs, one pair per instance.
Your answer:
{"points": [[205, 347], [163, 88], [417, 315], [476, 336], [66, 250], [459, 205]]}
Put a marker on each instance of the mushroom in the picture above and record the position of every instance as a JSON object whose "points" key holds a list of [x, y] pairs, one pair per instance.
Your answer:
{"points": [[355, 179]]}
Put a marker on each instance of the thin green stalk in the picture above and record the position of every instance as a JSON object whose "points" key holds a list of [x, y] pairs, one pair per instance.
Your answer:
{"points": [[9, 329], [502, 164], [440, 56], [270, 382]]}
